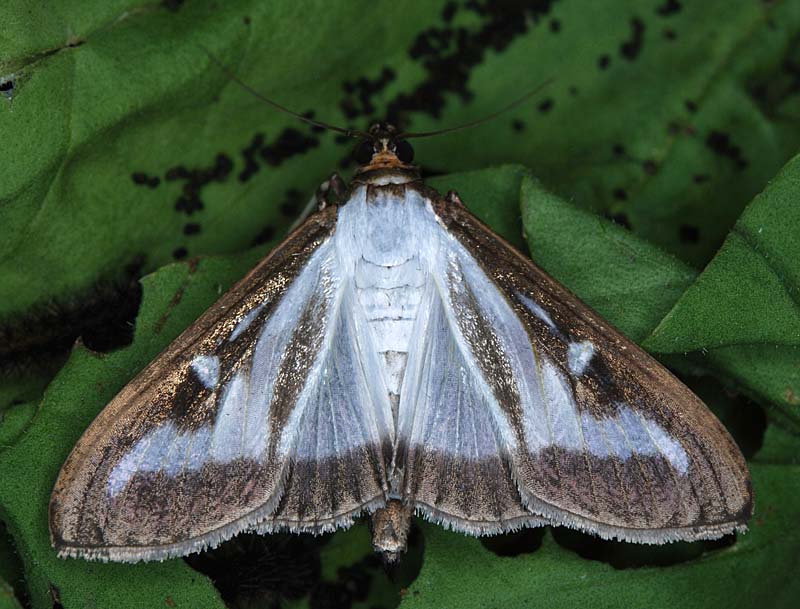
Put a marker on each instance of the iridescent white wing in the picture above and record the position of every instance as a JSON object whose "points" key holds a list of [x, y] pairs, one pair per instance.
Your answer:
{"points": [[253, 417], [521, 404]]}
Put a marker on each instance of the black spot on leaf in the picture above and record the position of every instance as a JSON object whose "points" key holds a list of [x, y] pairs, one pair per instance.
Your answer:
{"points": [[670, 7], [545, 105], [249, 153], [180, 253], [631, 48], [650, 166], [603, 61], [618, 150], [360, 93], [722, 145], [191, 228], [701, 178], [669, 33], [619, 194], [448, 54], [290, 142], [555, 26], [449, 11], [518, 125], [172, 5], [690, 106]]}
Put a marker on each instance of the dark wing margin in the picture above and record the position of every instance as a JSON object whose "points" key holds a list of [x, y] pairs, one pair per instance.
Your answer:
{"points": [[201, 444], [629, 451]]}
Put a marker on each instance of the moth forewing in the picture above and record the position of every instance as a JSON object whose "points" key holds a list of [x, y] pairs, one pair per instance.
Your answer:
{"points": [[395, 355]]}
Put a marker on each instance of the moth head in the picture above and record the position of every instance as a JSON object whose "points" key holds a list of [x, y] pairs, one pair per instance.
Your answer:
{"points": [[383, 147]]}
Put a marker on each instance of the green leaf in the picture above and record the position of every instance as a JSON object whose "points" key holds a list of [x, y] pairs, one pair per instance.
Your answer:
{"points": [[7, 598], [743, 313], [654, 113], [627, 280]]}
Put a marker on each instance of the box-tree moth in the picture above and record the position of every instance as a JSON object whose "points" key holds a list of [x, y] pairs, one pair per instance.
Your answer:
{"points": [[394, 356]]}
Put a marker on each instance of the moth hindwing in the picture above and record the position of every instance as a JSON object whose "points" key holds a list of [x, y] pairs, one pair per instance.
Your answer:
{"points": [[393, 355]]}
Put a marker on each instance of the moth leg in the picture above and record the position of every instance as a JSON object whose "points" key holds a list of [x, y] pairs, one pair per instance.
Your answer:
{"points": [[329, 192]]}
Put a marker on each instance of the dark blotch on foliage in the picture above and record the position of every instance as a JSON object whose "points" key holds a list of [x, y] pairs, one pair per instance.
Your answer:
{"points": [[545, 105], [690, 106], [7, 86], [650, 167], [701, 178], [518, 125], [191, 228], [669, 33], [139, 177], [449, 11], [103, 316], [179, 253], [142, 179], [618, 150], [448, 53], [631, 48], [361, 91], [525, 541], [265, 235], [555, 26], [249, 153], [621, 555], [172, 5], [254, 570], [197, 179], [619, 194], [721, 144], [603, 61], [670, 7], [688, 233], [290, 142]]}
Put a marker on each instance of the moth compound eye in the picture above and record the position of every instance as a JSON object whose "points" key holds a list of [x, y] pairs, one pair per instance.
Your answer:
{"points": [[404, 151], [363, 152]]}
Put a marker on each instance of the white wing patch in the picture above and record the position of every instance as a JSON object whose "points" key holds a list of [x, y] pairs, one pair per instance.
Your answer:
{"points": [[444, 405], [579, 355], [207, 369], [345, 405]]}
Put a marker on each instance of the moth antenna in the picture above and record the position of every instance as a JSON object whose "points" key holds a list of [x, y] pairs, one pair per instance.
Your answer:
{"points": [[232, 75], [493, 115]]}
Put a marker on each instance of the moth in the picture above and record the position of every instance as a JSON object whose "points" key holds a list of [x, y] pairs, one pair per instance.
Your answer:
{"points": [[393, 356]]}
